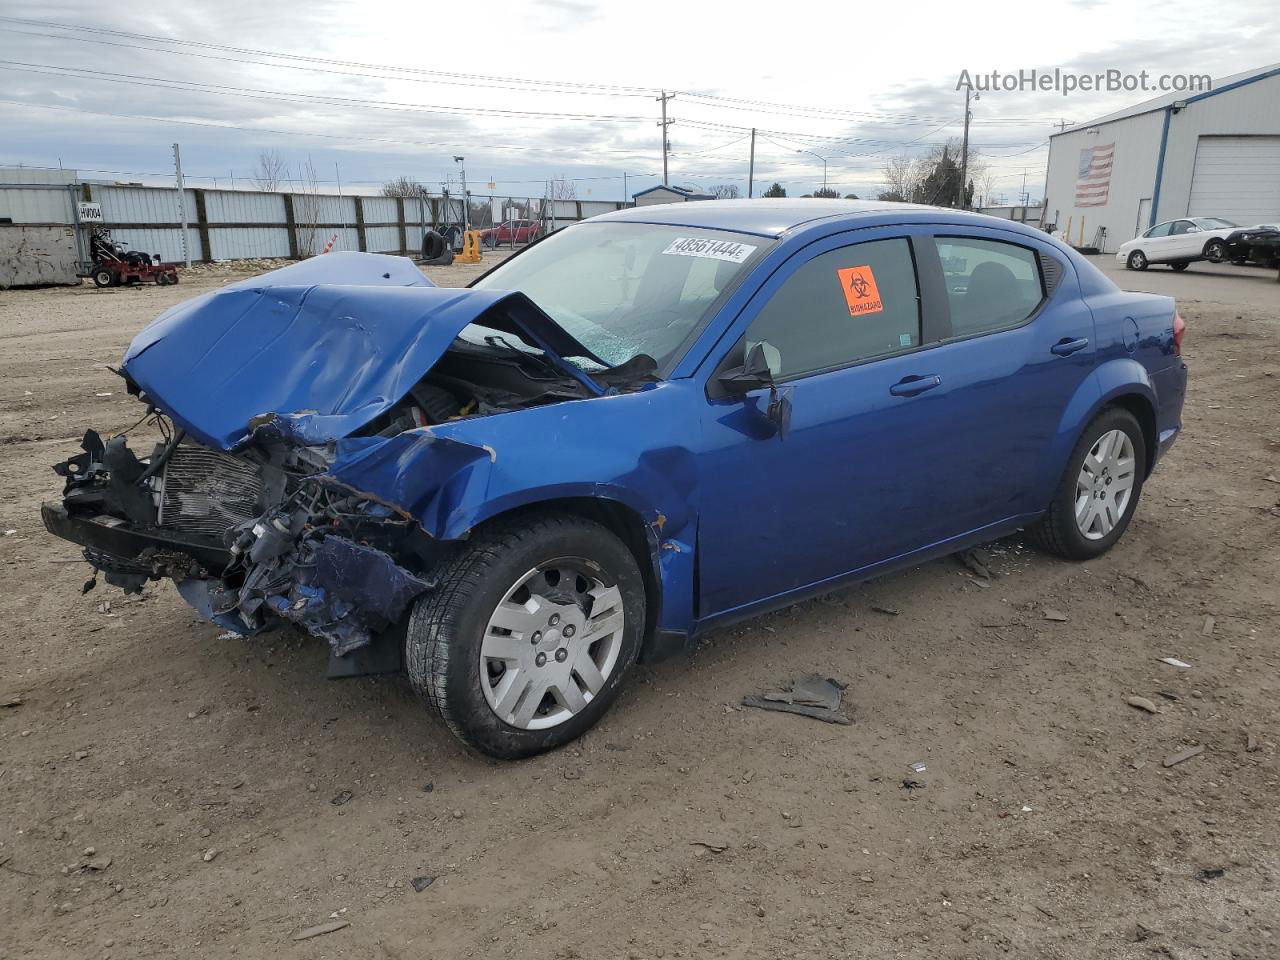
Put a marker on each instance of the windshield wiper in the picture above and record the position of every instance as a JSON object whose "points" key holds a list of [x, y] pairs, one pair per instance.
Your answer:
{"points": [[494, 340]]}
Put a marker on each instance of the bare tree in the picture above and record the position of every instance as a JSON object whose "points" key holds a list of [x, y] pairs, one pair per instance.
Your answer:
{"points": [[725, 191], [904, 175], [307, 210], [402, 187], [562, 189], [270, 171]]}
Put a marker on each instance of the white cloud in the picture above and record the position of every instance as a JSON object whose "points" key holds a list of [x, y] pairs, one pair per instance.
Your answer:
{"points": [[898, 64]]}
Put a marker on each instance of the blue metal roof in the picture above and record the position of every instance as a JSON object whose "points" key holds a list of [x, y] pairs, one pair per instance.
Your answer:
{"points": [[774, 217]]}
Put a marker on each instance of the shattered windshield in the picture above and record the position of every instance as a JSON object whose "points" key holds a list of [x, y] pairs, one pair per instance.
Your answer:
{"points": [[627, 289]]}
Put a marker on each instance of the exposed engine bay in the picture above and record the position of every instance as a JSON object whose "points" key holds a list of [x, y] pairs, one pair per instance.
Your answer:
{"points": [[264, 532]]}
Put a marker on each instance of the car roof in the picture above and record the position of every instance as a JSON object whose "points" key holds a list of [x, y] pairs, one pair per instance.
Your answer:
{"points": [[770, 217], [773, 217]]}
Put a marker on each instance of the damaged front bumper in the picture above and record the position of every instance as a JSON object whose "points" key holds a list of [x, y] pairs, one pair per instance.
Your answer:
{"points": [[251, 540]]}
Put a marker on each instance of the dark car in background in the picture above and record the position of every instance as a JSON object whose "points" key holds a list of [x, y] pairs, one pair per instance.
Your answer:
{"points": [[649, 424]]}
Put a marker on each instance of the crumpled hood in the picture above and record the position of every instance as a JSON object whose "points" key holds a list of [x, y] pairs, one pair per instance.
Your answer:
{"points": [[327, 345]]}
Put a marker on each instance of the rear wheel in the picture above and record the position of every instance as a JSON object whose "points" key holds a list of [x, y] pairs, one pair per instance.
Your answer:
{"points": [[104, 278], [527, 639], [1137, 261], [1098, 492]]}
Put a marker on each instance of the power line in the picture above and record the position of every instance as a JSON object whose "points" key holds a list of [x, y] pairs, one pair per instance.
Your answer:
{"points": [[355, 138], [481, 80], [202, 44], [257, 93], [326, 71]]}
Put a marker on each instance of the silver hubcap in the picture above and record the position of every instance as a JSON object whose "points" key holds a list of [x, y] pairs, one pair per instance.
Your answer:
{"points": [[551, 644], [1105, 485]]}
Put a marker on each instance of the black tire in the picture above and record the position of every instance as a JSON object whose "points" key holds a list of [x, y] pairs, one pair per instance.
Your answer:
{"points": [[443, 639], [1180, 265], [432, 245], [1216, 250], [1137, 261], [104, 278], [1056, 532]]}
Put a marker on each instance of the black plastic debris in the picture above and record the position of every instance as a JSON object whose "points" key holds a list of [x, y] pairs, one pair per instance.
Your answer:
{"points": [[910, 784], [344, 796], [809, 696], [421, 883], [1206, 874]]}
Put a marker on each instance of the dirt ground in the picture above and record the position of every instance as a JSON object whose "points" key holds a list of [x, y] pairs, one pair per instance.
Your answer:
{"points": [[166, 792]]}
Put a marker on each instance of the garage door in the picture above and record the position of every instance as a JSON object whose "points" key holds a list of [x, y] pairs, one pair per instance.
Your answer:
{"points": [[1237, 178]]}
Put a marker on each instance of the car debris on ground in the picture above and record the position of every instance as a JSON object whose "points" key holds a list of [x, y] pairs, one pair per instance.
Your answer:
{"points": [[809, 696]]}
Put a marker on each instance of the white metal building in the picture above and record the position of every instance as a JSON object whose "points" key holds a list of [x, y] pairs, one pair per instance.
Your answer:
{"points": [[1209, 154]]}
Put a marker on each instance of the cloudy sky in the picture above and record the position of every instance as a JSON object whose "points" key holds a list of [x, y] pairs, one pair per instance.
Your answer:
{"points": [[566, 88]]}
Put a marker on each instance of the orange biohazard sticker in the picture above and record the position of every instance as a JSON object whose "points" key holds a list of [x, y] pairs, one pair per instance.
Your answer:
{"points": [[860, 290]]}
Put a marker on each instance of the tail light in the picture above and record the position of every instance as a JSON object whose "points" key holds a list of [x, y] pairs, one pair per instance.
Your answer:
{"points": [[1179, 328]]}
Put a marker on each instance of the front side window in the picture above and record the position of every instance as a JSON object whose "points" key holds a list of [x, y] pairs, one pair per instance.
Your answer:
{"points": [[628, 289], [1180, 227], [1213, 223], [841, 307]]}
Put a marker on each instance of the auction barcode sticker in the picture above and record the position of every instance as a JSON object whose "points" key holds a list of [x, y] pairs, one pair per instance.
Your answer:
{"points": [[715, 249]]}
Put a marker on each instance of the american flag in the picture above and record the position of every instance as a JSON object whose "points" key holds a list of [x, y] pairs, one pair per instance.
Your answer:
{"points": [[1094, 181]]}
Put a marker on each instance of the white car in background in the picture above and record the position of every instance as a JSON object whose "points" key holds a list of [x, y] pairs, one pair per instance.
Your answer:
{"points": [[1178, 243]]}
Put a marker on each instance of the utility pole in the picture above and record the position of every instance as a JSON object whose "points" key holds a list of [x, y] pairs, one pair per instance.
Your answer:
{"points": [[664, 123], [964, 150], [751, 165], [182, 203], [466, 197], [625, 198]]}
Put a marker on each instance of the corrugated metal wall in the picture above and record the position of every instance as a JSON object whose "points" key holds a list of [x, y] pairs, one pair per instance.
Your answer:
{"points": [[383, 209], [37, 204], [166, 241], [247, 243], [383, 239], [143, 204], [237, 206], [243, 224]]}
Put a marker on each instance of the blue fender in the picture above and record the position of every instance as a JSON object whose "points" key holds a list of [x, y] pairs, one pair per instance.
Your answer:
{"points": [[1115, 378], [452, 477]]}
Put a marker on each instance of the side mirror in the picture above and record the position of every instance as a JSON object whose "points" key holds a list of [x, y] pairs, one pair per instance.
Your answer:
{"points": [[752, 375]]}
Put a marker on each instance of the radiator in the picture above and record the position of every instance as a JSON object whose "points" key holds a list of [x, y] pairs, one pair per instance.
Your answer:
{"points": [[206, 492]]}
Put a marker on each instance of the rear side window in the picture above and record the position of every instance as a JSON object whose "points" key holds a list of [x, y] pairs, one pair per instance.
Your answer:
{"points": [[1159, 230], [991, 285], [841, 307]]}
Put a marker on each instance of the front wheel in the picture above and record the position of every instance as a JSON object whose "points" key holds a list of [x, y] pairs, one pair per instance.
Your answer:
{"points": [[104, 278], [1137, 261], [526, 641], [1215, 250], [1095, 499]]}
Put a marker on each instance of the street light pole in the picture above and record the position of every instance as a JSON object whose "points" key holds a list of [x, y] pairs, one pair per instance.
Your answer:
{"points": [[824, 167]]}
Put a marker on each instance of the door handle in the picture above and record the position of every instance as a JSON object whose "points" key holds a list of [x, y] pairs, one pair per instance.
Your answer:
{"points": [[911, 386], [1066, 346]]}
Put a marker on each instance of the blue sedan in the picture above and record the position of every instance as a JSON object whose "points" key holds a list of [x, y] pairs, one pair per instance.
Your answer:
{"points": [[640, 427]]}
